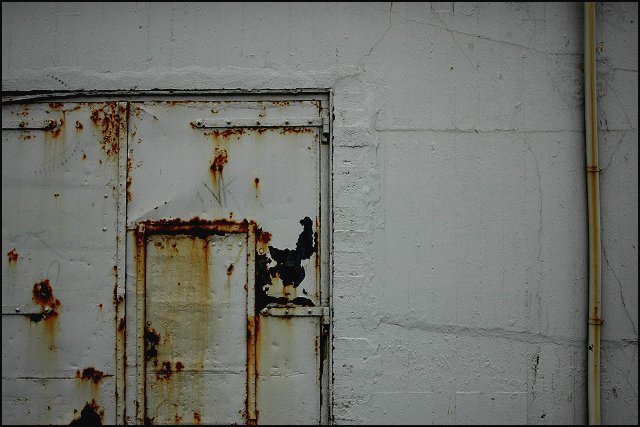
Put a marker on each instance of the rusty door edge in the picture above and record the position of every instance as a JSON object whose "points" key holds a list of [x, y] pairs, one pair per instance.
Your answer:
{"points": [[119, 291]]}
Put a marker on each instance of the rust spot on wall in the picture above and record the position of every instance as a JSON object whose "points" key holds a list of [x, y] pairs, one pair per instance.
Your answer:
{"points": [[197, 418], [79, 125], [165, 371], [91, 415], [230, 270], [281, 103], [13, 255], [178, 419], [56, 105], [84, 156], [179, 366], [151, 341], [90, 374], [107, 120], [121, 325]]}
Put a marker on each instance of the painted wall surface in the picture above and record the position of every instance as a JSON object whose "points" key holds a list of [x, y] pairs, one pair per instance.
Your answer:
{"points": [[459, 196]]}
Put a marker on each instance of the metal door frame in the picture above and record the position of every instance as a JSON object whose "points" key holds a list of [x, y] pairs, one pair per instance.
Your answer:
{"points": [[124, 98]]}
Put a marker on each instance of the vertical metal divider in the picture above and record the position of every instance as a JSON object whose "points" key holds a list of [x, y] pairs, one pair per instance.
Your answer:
{"points": [[325, 255], [141, 366], [120, 267], [251, 326]]}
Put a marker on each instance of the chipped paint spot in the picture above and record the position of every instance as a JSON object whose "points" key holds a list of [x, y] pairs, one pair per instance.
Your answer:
{"points": [[91, 415], [151, 341], [79, 125], [288, 266]]}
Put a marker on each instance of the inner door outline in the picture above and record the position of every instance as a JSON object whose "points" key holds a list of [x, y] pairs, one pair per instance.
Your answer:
{"points": [[199, 227]]}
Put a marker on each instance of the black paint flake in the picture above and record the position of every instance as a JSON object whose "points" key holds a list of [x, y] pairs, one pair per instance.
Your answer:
{"points": [[288, 267]]}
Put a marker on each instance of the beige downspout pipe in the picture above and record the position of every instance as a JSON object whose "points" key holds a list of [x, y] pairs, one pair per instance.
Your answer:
{"points": [[593, 208]]}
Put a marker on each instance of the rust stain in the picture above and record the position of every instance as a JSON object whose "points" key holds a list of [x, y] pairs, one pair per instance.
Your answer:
{"points": [[295, 130], [220, 159], [24, 135], [197, 227], [165, 371], [178, 419], [79, 125], [91, 415], [230, 270], [90, 374], [281, 103], [179, 366], [43, 296], [121, 325], [197, 417], [227, 133], [54, 127], [84, 156], [56, 105], [107, 120], [151, 341], [23, 124], [13, 255], [129, 169]]}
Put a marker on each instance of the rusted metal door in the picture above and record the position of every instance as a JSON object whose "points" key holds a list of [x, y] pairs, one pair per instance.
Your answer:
{"points": [[227, 225], [60, 218]]}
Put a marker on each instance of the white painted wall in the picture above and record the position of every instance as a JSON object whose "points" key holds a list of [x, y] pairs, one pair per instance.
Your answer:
{"points": [[460, 258]]}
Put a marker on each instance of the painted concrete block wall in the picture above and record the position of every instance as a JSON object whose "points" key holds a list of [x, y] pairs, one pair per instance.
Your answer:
{"points": [[617, 62], [460, 249]]}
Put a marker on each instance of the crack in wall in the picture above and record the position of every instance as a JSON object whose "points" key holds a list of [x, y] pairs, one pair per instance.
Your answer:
{"points": [[624, 305]]}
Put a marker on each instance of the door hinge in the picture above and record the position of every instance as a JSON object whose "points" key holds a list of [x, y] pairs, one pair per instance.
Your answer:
{"points": [[323, 312], [324, 139]]}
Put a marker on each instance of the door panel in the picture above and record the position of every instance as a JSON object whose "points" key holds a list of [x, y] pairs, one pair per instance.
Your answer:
{"points": [[255, 166], [195, 332]]}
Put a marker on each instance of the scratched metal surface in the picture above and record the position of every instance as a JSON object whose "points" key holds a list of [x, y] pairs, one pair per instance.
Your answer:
{"points": [[59, 204]]}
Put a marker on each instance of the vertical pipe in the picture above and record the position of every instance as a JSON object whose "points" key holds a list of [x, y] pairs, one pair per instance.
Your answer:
{"points": [[593, 208]]}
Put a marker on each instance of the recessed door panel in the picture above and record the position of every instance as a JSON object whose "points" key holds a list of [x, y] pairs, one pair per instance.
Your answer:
{"points": [[195, 332]]}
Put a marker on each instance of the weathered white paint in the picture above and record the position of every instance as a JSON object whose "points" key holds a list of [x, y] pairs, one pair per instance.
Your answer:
{"points": [[458, 181]]}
